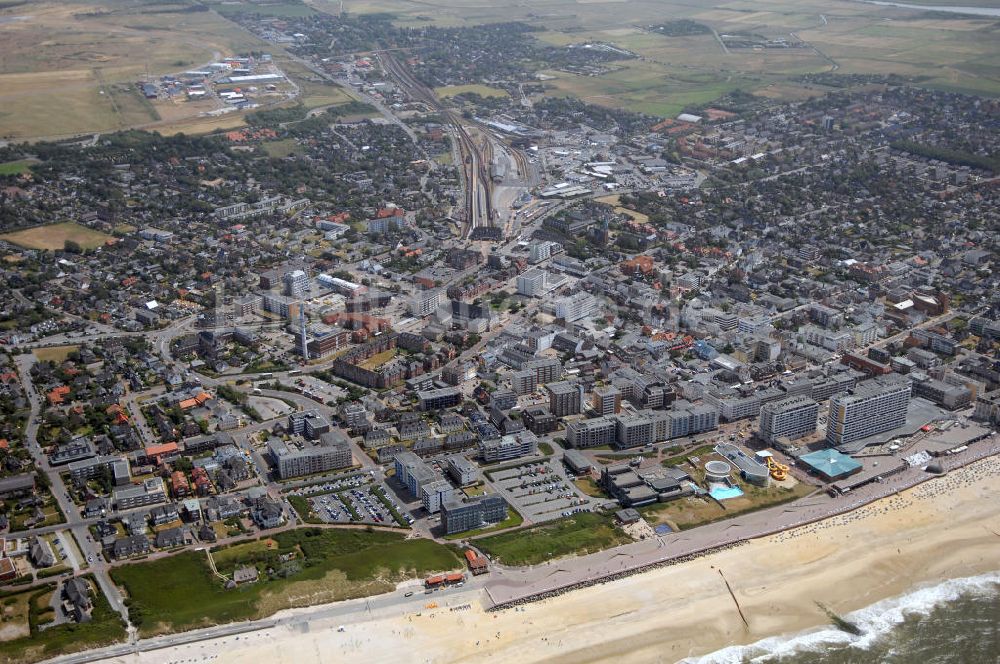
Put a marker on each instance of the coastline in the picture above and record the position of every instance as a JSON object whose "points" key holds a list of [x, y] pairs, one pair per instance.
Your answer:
{"points": [[942, 529]]}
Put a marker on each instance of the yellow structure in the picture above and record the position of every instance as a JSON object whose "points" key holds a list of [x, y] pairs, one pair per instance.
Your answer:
{"points": [[779, 471]]}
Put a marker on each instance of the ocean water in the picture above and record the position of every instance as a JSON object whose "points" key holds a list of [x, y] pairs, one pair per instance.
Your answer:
{"points": [[954, 622]]}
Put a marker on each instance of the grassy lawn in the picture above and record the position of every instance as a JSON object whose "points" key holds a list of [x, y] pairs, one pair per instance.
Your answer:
{"points": [[582, 533], [513, 520], [180, 592], [589, 487], [54, 354], [545, 448], [15, 167], [669, 462], [55, 236], [280, 149], [482, 90], [105, 628], [378, 359]]}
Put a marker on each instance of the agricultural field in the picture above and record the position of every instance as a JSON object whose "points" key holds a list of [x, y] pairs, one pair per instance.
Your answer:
{"points": [[953, 52], [582, 533], [55, 236], [311, 566], [70, 67]]}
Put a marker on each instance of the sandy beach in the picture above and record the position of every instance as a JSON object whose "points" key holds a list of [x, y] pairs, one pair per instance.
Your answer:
{"points": [[943, 529]]}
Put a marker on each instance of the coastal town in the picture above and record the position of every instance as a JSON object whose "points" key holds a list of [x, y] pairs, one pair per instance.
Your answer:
{"points": [[425, 343]]}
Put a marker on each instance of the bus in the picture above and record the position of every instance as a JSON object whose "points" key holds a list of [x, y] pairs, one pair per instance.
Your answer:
{"points": [[295, 372]]}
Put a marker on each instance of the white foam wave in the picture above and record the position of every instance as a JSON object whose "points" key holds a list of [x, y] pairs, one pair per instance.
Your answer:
{"points": [[875, 622]]}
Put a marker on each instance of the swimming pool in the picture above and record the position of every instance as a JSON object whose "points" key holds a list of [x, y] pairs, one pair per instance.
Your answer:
{"points": [[725, 492]]}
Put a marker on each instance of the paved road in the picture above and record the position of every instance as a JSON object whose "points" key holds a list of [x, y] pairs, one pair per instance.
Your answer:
{"points": [[74, 522]]}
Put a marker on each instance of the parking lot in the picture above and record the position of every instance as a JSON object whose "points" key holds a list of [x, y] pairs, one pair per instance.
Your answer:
{"points": [[540, 491], [354, 499]]}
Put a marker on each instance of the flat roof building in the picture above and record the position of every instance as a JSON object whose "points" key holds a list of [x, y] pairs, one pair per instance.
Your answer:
{"points": [[458, 516], [874, 406], [791, 418], [297, 458]]}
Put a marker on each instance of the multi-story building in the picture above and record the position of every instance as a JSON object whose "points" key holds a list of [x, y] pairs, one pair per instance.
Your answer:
{"points": [[546, 369], [296, 283], [948, 395], [685, 419], [444, 397], [534, 282], [873, 407], [523, 382], [837, 341], [355, 414], [792, 418], [836, 381], [434, 493], [425, 302], [540, 251], [576, 307], [538, 420], [592, 433], [607, 400], [458, 516], [308, 423], [565, 398], [462, 471], [305, 457], [636, 430], [150, 492], [508, 447], [413, 472], [934, 341], [324, 340]]}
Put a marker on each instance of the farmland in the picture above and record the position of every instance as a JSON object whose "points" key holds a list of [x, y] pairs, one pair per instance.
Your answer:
{"points": [[958, 53], [83, 80], [70, 67], [55, 236]]}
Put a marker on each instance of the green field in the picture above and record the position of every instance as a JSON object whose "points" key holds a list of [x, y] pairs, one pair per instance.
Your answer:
{"points": [[320, 565], [54, 354], [15, 167], [54, 237], [481, 90], [280, 149], [582, 533]]}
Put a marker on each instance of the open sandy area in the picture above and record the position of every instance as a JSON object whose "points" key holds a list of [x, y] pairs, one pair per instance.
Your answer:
{"points": [[946, 528]]}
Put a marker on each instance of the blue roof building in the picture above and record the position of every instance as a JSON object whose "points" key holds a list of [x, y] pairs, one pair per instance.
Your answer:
{"points": [[830, 464]]}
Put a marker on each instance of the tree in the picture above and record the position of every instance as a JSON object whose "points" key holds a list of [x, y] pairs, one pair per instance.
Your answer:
{"points": [[72, 247]]}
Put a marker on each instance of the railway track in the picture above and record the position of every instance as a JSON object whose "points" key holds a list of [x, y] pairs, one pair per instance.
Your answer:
{"points": [[476, 158]]}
